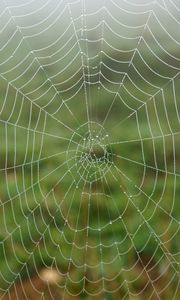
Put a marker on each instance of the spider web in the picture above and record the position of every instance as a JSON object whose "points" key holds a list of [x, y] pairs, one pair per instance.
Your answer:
{"points": [[89, 126]]}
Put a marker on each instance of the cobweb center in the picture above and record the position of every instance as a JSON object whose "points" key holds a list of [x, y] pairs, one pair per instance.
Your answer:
{"points": [[88, 154]]}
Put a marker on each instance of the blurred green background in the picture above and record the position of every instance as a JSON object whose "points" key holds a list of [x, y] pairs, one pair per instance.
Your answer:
{"points": [[118, 236]]}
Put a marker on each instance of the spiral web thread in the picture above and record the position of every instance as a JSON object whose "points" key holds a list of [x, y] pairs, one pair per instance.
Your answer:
{"points": [[89, 124]]}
